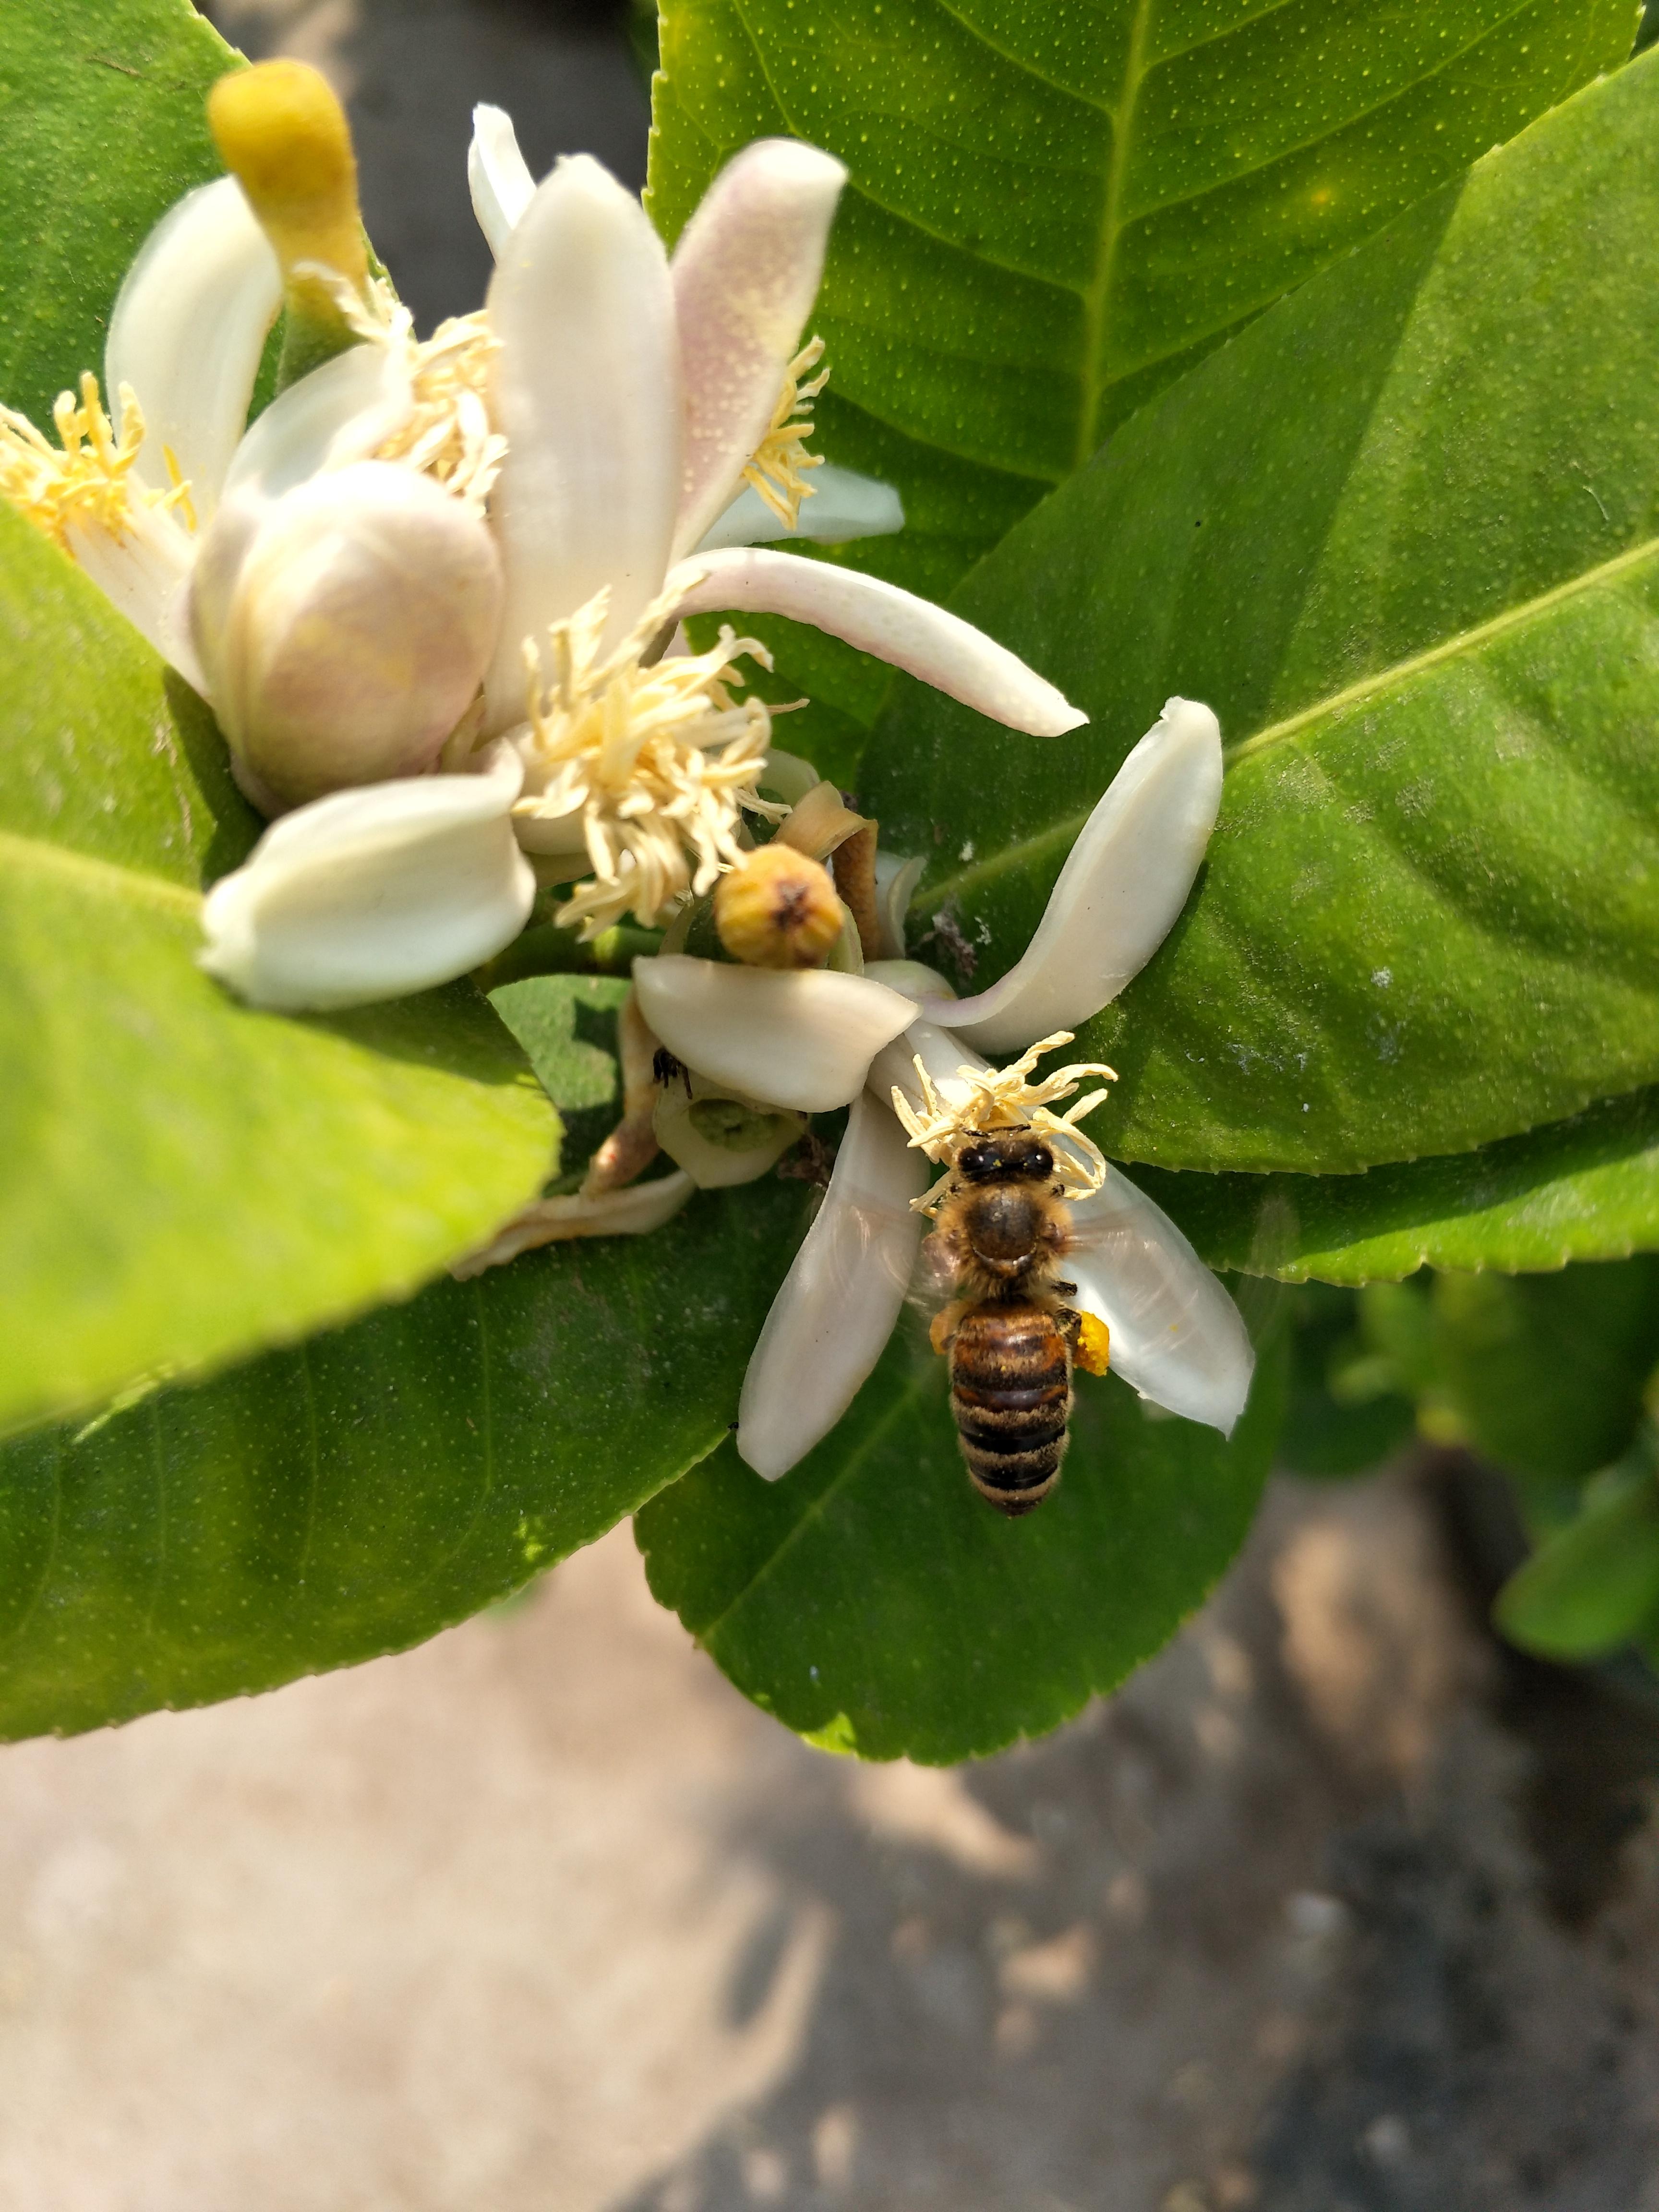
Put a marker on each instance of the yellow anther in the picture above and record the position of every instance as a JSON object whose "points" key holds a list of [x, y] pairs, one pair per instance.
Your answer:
{"points": [[777, 908], [778, 468]]}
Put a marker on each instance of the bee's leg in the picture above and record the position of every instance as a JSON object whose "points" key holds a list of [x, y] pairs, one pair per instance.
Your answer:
{"points": [[945, 1324]]}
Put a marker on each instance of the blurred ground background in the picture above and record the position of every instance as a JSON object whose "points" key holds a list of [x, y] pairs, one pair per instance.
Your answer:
{"points": [[1337, 1908]]}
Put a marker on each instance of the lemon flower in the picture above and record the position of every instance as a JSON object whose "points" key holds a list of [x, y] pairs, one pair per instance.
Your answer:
{"points": [[1176, 1336]]}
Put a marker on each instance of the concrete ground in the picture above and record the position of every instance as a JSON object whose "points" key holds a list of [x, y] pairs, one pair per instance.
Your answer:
{"points": [[543, 1917], [1335, 1909]]}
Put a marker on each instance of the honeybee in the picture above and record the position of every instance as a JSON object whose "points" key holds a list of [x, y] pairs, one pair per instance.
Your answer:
{"points": [[1002, 1231]]}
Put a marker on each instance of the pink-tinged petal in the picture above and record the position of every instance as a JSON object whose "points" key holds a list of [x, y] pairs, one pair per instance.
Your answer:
{"points": [[939, 648], [745, 272], [840, 1299], [186, 333], [587, 393], [336, 415], [498, 176], [1124, 882], [801, 1038], [1177, 1337], [372, 894]]}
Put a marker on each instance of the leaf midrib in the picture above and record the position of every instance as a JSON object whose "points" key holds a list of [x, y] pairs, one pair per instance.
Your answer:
{"points": [[96, 875], [1397, 672], [1096, 295]]}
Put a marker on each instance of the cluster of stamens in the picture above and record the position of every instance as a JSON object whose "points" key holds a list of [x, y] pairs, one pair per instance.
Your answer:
{"points": [[983, 1099], [656, 761], [445, 434], [781, 461], [87, 479]]}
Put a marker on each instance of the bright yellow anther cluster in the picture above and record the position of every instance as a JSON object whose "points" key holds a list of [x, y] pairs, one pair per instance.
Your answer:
{"points": [[86, 479], [282, 134], [778, 470], [653, 763], [976, 1100]]}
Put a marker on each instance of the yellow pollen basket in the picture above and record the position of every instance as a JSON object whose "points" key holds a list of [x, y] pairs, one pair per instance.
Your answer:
{"points": [[1092, 1352], [282, 134]]}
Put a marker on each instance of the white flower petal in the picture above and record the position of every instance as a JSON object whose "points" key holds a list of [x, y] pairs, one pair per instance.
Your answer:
{"points": [[337, 415], [913, 633], [1177, 1337], [711, 1165], [141, 573], [942, 1054], [187, 330], [801, 1038], [372, 894], [840, 1299], [499, 176], [842, 506], [587, 393], [745, 272], [634, 1211], [350, 632], [895, 883], [1124, 882]]}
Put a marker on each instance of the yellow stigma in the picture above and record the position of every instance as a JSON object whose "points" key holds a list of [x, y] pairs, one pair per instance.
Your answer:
{"points": [[283, 136], [778, 470], [777, 908]]}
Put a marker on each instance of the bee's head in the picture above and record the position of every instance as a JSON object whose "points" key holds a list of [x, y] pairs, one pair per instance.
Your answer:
{"points": [[1009, 1155]]}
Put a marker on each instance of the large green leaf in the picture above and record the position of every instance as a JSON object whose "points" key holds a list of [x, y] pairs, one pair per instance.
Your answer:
{"points": [[1400, 534], [103, 117], [354, 1495], [182, 1180], [872, 1601], [1053, 210], [1586, 1189]]}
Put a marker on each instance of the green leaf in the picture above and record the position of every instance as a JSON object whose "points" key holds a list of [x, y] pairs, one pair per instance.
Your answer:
{"points": [[1592, 1587], [185, 1180], [1548, 1373], [103, 116], [1400, 535], [319, 1506], [1346, 1411], [1053, 210], [871, 1602], [1586, 1189]]}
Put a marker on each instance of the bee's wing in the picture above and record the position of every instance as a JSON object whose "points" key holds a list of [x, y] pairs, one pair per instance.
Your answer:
{"points": [[840, 1298], [1177, 1337]]}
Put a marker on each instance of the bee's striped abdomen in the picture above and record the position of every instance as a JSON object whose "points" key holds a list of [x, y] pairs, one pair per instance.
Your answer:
{"points": [[1011, 1393]]}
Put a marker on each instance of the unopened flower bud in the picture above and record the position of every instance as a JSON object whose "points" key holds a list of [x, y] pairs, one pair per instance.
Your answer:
{"points": [[777, 908], [343, 630]]}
